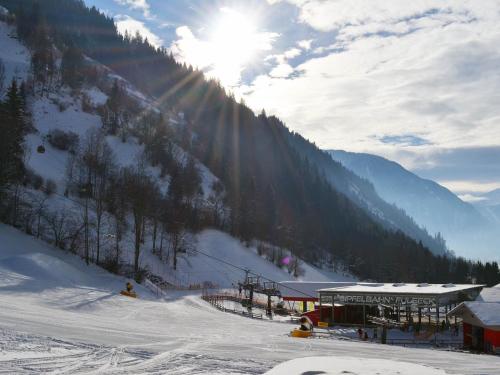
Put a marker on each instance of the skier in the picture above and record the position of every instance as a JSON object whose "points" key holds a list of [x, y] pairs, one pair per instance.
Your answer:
{"points": [[360, 333], [305, 324]]}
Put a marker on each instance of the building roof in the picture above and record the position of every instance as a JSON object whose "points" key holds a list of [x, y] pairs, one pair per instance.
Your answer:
{"points": [[306, 289], [490, 294], [400, 288], [487, 313]]}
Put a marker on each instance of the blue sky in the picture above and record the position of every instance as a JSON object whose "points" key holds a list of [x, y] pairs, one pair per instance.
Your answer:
{"points": [[417, 82]]}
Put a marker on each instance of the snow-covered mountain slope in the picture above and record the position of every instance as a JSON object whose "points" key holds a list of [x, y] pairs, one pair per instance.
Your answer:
{"points": [[465, 229], [15, 56], [59, 315], [363, 194], [489, 205], [62, 110], [204, 263]]}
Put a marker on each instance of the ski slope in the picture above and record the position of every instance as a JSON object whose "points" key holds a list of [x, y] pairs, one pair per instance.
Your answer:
{"points": [[59, 315]]}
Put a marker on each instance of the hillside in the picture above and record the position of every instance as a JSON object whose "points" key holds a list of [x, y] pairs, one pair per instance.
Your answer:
{"points": [[362, 193], [62, 111], [60, 315], [434, 207]]}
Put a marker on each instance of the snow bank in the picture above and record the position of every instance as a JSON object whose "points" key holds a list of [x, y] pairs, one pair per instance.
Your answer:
{"points": [[349, 365]]}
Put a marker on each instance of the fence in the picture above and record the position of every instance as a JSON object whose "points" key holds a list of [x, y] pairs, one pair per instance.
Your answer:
{"points": [[217, 300]]}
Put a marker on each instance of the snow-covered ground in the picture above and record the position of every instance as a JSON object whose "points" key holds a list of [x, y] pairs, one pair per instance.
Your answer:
{"points": [[350, 365], [14, 55], [59, 315]]}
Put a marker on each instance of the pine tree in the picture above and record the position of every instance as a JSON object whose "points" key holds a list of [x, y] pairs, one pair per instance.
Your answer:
{"points": [[72, 67], [13, 129]]}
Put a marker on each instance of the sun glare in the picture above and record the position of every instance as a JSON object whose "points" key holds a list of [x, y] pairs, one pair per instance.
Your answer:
{"points": [[235, 41]]}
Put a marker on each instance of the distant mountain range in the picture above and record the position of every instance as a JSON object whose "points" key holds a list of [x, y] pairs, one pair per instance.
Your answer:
{"points": [[468, 229], [489, 205]]}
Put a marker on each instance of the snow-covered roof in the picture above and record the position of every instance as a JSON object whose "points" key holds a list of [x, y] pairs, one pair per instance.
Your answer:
{"points": [[401, 288], [306, 289], [487, 313], [490, 294]]}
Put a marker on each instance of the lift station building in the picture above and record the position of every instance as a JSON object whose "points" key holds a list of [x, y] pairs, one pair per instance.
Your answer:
{"points": [[352, 302]]}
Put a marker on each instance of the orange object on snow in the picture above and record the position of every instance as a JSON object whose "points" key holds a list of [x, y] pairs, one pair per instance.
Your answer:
{"points": [[300, 333], [129, 292]]}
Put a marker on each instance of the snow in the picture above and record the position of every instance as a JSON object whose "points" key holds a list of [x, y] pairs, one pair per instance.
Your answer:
{"points": [[490, 294], [59, 315], [97, 97], [199, 268], [14, 55], [403, 288], [301, 289], [47, 114], [349, 365], [487, 312]]}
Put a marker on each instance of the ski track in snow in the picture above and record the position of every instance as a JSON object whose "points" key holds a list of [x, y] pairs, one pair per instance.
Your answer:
{"points": [[30, 354]]}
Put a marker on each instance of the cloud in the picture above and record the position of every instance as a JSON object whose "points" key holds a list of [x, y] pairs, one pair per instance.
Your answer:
{"points": [[393, 69], [404, 140], [464, 170], [132, 26], [141, 5], [281, 71], [305, 44], [337, 14], [232, 44], [471, 198]]}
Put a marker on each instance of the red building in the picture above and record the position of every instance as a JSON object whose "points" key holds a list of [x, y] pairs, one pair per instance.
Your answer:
{"points": [[481, 321]]}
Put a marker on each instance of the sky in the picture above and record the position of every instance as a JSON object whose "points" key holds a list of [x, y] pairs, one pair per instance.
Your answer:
{"points": [[417, 82]]}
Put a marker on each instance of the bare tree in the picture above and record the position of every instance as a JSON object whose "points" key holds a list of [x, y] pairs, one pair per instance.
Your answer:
{"points": [[39, 207], [216, 203], [92, 168], [117, 206], [56, 221], [138, 190]]}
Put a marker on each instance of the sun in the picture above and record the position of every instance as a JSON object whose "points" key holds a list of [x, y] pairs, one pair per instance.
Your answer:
{"points": [[235, 42]]}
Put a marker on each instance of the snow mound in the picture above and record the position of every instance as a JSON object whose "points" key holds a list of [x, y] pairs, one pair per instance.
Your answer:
{"points": [[40, 267], [348, 365]]}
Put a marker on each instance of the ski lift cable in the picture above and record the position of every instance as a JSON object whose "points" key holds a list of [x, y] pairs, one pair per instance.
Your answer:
{"points": [[251, 272]]}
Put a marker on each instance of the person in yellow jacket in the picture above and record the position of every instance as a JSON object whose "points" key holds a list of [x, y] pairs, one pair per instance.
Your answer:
{"points": [[130, 287]]}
